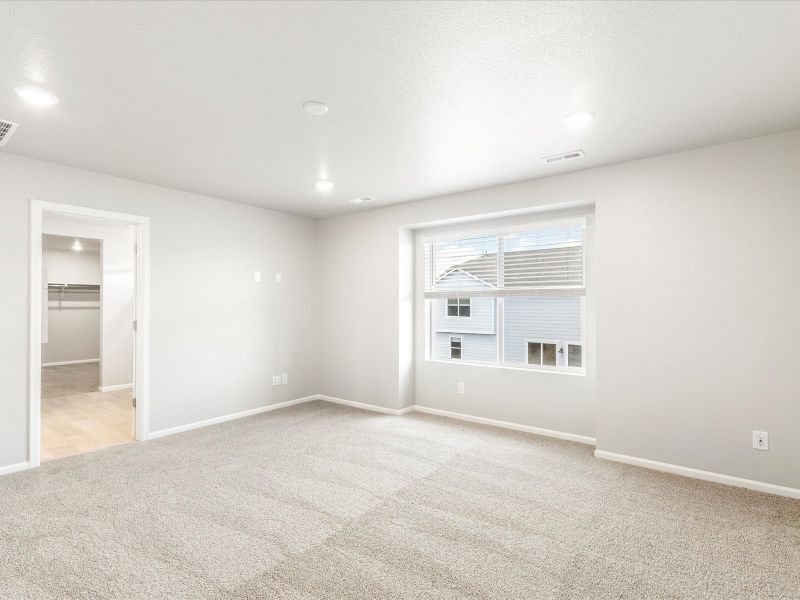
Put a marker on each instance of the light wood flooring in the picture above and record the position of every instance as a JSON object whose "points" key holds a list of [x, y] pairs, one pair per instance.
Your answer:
{"points": [[75, 421]]}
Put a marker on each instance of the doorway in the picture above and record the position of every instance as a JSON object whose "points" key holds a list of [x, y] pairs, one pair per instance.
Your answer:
{"points": [[88, 330]]}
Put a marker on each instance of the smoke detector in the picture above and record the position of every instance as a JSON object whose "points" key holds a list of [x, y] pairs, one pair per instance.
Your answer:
{"points": [[562, 157], [7, 129]]}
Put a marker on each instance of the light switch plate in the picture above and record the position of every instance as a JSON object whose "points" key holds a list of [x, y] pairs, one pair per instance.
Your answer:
{"points": [[284, 378], [256, 276], [278, 278]]}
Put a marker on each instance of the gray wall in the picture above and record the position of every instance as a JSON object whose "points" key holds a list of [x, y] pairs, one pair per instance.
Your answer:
{"points": [[693, 256], [217, 337]]}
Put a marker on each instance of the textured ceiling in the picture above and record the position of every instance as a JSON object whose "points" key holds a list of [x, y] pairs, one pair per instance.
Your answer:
{"points": [[425, 98]]}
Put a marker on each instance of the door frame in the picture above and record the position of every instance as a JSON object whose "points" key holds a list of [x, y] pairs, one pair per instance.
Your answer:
{"points": [[141, 225]]}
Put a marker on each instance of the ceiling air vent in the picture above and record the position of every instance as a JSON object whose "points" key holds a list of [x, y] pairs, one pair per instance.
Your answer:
{"points": [[562, 157], [7, 129]]}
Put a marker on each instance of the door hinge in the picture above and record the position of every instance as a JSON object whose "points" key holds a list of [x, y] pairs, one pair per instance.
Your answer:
{"points": [[135, 247], [134, 402], [135, 326]]}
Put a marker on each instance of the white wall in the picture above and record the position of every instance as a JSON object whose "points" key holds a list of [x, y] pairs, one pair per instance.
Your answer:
{"points": [[117, 291], [73, 327], [696, 310], [217, 337]]}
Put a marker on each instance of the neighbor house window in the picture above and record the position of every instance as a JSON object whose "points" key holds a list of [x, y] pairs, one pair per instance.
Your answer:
{"points": [[455, 347], [575, 355], [523, 290], [542, 353], [458, 307]]}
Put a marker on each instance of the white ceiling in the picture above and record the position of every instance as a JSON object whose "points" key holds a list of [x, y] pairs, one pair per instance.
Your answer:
{"points": [[60, 242], [425, 98]]}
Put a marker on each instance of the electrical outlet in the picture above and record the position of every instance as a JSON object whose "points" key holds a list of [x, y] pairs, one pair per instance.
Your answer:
{"points": [[278, 277], [460, 387], [760, 440], [256, 276], [284, 378], [276, 380]]}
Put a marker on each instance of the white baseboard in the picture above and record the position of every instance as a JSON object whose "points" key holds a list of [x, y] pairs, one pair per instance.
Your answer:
{"points": [[111, 388], [758, 486], [561, 435], [71, 362], [365, 406], [8, 469], [245, 413]]}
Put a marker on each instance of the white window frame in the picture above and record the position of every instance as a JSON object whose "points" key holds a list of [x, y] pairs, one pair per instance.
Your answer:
{"points": [[458, 300], [583, 353], [460, 339], [586, 221], [566, 344]]}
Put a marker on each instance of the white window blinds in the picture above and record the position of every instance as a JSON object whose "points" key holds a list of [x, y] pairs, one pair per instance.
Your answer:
{"points": [[536, 261]]}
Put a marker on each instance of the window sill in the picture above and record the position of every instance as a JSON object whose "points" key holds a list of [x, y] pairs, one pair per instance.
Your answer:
{"points": [[578, 373]]}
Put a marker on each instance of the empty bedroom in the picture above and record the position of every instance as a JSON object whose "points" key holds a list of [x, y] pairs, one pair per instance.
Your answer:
{"points": [[399, 299]]}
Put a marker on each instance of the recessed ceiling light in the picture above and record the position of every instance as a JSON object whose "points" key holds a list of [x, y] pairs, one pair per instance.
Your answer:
{"points": [[579, 118], [361, 200], [36, 96], [77, 247], [314, 107], [323, 185]]}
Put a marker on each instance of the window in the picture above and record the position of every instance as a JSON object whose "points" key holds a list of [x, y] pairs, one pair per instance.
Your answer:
{"points": [[523, 290], [575, 355], [458, 307], [542, 353], [455, 347]]}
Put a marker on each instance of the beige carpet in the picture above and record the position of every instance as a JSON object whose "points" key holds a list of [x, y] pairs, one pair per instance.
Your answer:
{"points": [[321, 501]]}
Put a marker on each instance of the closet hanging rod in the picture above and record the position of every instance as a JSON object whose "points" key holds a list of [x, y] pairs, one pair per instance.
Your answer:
{"points": [[74, 287]]}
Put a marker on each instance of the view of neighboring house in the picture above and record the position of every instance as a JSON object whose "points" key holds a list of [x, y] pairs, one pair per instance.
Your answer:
{"points": [[537, 330]]}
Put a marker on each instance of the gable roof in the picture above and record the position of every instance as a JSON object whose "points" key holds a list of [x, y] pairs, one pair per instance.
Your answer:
{"points": [[542, 267]]}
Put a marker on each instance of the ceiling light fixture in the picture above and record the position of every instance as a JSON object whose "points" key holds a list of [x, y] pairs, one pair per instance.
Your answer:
{"points": [[36, 96], [77, 247], [363, 200], [579, 118], [324, 186], [314, 107]]}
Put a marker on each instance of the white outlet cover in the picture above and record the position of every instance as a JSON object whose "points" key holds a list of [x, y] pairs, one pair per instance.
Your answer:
{"points": [[760, 440], [256, 276], [276, 380], [278, 277], [460, 387]]}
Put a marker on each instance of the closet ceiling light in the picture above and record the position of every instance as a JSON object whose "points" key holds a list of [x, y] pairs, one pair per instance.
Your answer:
{"points": [[314, 107]]}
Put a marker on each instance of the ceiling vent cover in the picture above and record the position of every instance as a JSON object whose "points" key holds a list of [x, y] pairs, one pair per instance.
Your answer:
{"points": [[562, 157], [7, 129]]}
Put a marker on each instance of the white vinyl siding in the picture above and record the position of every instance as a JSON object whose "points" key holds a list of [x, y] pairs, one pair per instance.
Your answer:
{"points": [[481, 320], [474, 347], [540, 318]]}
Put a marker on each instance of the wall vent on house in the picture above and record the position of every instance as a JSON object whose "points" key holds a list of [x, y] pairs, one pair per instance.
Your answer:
{"points": [[7, 129], [562, 157]]}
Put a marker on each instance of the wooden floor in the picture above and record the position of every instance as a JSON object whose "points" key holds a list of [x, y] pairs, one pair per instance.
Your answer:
{"points": [[73, 423]]}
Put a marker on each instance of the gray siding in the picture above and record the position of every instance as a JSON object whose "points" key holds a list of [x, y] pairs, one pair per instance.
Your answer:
{"points": [[481, 320], [542, 318], [556, 319], [474, 347]]}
